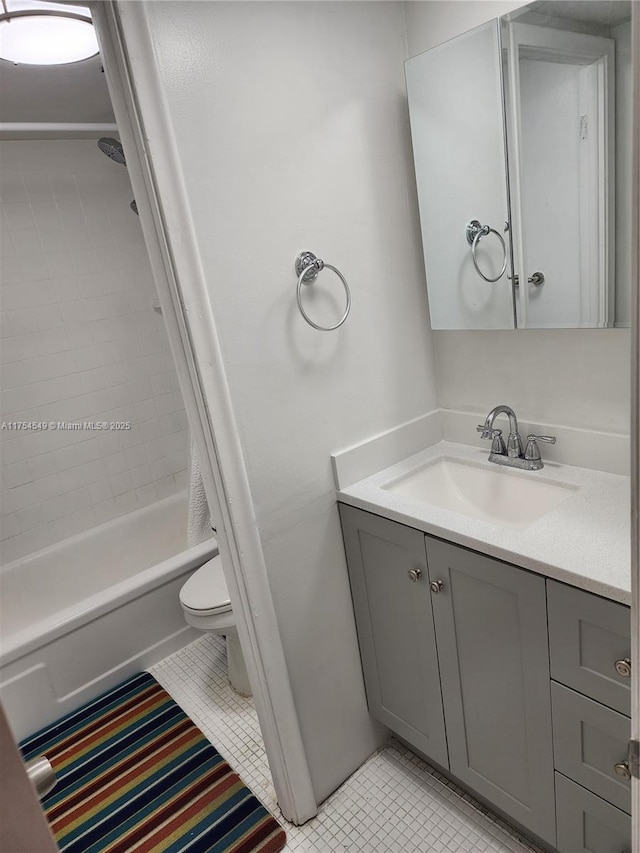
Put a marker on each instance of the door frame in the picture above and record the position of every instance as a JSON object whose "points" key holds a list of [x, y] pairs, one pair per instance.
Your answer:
{"points": [[597, 256], [635, 418], [156, 177]]}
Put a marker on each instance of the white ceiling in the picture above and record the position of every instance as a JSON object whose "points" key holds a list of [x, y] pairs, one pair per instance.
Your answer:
{"points": [[77, 93], [54, 93], [607, 13]]}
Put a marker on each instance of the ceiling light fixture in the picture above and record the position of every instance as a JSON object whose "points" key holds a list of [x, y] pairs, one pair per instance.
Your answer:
{"points": [[33, 33]]}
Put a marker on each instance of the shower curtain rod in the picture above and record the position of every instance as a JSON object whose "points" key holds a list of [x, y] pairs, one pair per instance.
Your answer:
{"points": [[56, 127]]}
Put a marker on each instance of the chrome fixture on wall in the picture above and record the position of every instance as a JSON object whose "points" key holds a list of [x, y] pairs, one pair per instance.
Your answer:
{"points": [[307, 268], [113, 149], [474, 233]]}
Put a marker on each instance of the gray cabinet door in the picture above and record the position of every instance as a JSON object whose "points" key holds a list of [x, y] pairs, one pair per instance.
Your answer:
{"points": [[590, 741], [587, 824], [395, 628], [588, 637], [492, 644]]}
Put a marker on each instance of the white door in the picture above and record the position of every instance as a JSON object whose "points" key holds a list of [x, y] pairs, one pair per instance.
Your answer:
{"points": [[561, 137]]}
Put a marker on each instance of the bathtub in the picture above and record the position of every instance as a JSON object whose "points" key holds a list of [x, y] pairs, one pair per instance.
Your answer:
{"points": [[82, 615]]}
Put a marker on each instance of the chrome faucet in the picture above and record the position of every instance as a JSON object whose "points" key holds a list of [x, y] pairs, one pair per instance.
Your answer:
{"points": [[512, 454]]}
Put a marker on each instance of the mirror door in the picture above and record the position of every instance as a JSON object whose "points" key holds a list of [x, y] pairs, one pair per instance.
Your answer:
{"points": [[555, 78], [456, 112]]}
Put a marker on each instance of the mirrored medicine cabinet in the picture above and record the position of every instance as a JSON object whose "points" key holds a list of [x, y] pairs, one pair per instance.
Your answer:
{"points": [[521, 132]]}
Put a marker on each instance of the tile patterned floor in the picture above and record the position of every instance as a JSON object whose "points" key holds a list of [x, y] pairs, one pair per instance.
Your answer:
{"points": [[395, 803]]}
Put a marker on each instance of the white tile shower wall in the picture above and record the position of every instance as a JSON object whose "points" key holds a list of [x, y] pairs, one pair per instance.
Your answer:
{"points": [[79, 342]]}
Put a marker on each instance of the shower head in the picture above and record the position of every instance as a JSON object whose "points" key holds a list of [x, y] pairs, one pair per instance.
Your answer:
{"points": [[113, 149]]}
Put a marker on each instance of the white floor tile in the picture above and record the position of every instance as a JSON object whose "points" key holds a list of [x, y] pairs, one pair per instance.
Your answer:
{"points": [[394, 803]]}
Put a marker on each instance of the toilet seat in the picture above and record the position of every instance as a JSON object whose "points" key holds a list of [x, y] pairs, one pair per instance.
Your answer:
{"points": [[206, 590], [206, 606]]}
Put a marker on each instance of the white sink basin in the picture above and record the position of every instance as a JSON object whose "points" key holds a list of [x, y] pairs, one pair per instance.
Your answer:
{"points": [[509, 498]]}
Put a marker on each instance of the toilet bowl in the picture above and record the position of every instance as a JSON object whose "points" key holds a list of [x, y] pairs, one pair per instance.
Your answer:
{"points": [[207, 606]]}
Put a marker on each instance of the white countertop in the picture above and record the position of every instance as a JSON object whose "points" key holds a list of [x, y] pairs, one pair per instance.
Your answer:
{"points": [[585, 541]]}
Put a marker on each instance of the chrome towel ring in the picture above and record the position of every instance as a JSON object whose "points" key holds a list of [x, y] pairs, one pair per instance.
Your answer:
{"points": [[307, 269], [475, 232]]}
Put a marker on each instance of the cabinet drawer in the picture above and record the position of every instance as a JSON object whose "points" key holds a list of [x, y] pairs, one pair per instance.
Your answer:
{"points": [[588, 635], [589, 739], [588, 824]]}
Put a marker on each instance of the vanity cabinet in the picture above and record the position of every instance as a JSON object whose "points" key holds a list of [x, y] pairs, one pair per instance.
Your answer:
{"points": [[490, 620], [590, 745], [452, 641], [589, 824], [589, 645], [390, 589]]}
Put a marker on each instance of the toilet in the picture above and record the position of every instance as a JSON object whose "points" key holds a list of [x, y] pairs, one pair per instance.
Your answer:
{"points": [[207, 606]]}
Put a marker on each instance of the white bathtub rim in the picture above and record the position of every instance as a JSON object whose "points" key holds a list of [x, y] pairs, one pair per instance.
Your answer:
{"points": [[81, 613]]}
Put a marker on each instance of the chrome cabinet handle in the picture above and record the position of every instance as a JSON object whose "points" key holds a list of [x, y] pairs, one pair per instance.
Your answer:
{"points": [[414, 574], [622, 770], [623, 667], [436, 587]]}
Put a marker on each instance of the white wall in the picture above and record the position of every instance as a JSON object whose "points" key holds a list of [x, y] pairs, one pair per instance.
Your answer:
{"points": [[79, 342], [292, 129], [568, 377]]}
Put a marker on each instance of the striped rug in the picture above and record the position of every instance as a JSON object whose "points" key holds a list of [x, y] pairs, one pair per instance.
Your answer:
{"points": [[135, 775]]}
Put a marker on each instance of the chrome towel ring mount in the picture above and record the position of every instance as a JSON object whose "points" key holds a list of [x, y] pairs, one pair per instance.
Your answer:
{"points": [[474, 233], [307, 268]]}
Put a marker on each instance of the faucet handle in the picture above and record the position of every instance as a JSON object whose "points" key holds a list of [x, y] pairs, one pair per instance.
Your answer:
{"points": [[532, 451], [486, 431], [497, 445], [497, 441]]}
